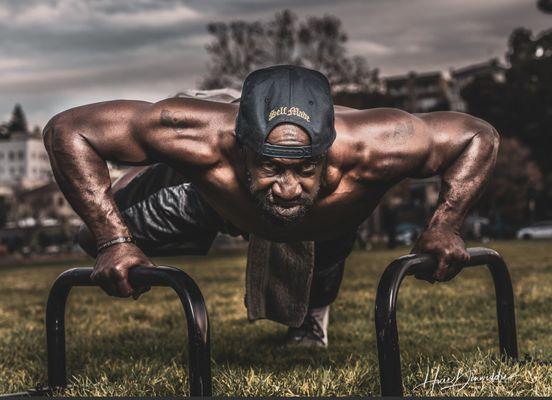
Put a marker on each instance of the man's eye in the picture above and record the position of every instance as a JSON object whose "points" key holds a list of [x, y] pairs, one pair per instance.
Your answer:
{"points": [[308, 169], [269, 167]]}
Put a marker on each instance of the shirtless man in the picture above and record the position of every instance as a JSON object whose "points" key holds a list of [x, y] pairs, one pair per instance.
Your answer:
{"points": [[283, 164]]}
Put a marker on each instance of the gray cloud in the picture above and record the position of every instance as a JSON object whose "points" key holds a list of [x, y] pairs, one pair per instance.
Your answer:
{"points": [[61, 53]]}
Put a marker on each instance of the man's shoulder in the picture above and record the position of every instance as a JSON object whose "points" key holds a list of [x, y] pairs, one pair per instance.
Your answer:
{"points": [[196, 108], [188, 131], [379, 115], [377, 125], [383, 141]]}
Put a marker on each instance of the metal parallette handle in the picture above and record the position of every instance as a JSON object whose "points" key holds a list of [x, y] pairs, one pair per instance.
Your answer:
{"points": [[386, 302], [190, 297]]}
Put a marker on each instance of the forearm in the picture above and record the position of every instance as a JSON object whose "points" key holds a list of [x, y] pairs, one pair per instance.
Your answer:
{"points": [[83, 177], [465, 179]]}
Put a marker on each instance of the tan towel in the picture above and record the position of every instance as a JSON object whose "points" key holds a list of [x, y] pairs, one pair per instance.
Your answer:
{"points": [[278, 279]]}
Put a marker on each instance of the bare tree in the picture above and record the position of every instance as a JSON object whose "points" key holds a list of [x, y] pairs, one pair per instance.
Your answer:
{"points": [[240, 47]]}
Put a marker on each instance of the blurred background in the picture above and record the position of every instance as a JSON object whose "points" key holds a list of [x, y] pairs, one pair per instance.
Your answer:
{"points": [[492, 59]]}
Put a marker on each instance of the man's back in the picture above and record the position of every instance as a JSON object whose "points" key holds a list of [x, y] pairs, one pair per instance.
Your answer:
{"points": [[196, 137], [300, 171]]}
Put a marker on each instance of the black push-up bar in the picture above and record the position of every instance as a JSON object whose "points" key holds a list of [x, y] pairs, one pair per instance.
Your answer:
{"points": [[386, 302], [190, 297], [198, 322]]}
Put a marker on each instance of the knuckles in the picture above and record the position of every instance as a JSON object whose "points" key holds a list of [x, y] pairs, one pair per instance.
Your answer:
{"points": [[120, 270], [111, 269]]}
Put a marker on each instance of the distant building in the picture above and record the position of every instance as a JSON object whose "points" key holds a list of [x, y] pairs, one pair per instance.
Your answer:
{"points": [[39, 218], [461, 77], [43, 202], [420, 92], [23, 160]]}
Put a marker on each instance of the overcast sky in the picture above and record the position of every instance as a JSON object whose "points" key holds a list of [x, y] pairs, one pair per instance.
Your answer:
{"points": [[55, 54]]}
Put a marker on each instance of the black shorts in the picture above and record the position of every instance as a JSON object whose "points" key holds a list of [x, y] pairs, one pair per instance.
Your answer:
{"points": [[168, 216]]}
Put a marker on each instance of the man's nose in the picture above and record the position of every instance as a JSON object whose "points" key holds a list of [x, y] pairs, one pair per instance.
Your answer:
{"points": [[286, 189]]}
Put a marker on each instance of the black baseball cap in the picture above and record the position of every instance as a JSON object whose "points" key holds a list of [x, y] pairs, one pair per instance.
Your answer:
{"points": [[286, 94]]}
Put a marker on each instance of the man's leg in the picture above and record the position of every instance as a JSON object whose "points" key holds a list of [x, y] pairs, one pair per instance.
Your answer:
{"points": [[165, 214], [329, 264]]}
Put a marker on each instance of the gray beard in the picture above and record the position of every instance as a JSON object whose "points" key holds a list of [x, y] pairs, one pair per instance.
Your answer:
{"points": [[262, 200]]}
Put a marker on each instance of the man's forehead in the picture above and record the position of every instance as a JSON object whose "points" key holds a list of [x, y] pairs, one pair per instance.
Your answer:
{"points": [[288, 134]]}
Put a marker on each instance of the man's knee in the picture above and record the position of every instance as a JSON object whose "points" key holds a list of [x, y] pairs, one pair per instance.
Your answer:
{"points": [[86, 240], [329, 264], [325, 285]]}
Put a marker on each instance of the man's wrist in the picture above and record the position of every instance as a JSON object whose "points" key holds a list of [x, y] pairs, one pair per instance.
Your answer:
{"points": [[114, 241], [104, 234], [445, 222]]}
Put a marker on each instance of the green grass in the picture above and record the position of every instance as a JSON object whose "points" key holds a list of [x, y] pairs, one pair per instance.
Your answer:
{"points": [[124, 347]]}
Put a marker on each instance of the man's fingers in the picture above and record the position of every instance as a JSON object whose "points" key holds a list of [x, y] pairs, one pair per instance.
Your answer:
{"points": [[113, 281], [450, 265], [441, 270], [123, 287], [120, 276], [103, 279], [465, 257]]}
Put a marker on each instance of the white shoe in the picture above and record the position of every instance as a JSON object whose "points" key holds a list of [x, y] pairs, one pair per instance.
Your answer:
{"points": [[313, 331]]}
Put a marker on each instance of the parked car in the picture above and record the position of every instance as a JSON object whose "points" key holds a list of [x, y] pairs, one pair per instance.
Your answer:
{"points": [[539, 230]]}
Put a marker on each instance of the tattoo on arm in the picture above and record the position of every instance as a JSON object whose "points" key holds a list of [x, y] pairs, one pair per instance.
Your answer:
{"points": [[402, 131], [174, 120]]}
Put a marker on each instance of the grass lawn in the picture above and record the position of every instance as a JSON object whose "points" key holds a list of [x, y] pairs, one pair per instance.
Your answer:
{"points": [[124, 347]]}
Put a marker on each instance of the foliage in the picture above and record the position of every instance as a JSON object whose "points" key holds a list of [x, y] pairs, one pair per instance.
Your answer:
{"points": [[545, 6], [18, 121], [521, 106], [240, 47], [514, 178]]}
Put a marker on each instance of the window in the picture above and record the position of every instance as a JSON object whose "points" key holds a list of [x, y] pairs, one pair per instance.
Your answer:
{"points": [[20, 154], [427, 103], [11, 155], [1, 155]]}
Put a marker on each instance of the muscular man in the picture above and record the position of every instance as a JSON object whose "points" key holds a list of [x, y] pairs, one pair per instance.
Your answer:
{"points": [[283, 164]]}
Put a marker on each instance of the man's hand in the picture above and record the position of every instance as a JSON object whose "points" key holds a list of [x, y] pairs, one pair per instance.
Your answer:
{"points": [[448, 246], [111, 269]]}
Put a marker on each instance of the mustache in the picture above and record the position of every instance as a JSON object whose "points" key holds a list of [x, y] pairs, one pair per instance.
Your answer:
{"points": [[300, 201]]}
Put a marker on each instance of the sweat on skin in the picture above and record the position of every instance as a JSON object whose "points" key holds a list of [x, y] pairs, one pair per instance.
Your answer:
{"points": [[279, 199]]}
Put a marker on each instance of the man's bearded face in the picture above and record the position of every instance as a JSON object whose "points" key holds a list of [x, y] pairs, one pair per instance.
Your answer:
{"points": [[284, 188]]}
